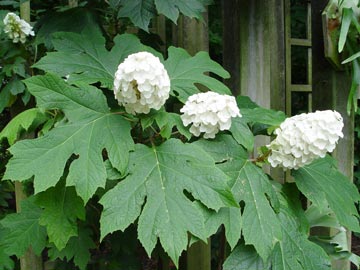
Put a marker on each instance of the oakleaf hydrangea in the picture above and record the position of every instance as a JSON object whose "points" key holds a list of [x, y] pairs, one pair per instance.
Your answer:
{"points": [[16, 28], [208, 113], [141, 83], [304, 138]]}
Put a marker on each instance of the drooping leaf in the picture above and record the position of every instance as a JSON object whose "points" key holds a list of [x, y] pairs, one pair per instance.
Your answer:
{"points": [[345, 25], [260, 225], [172, 8], [23, 230], [84, 59], [161, 174], [245, 258], [305, 255], [351, 58], [185, 71], [23, 121], [140, 12], [90, 129], [77, 248], [323, 184], [62, 208]]}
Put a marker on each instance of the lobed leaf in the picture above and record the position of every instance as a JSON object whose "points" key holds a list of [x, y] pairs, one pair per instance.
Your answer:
{"points": [[91, 129], [245, 258], [323, 184], [77, 249], [24, 230], [172, 8], [140, 12], [186, 71], [161, 174], [305, 255], [62, 208], [260, 224], [83, 56]]}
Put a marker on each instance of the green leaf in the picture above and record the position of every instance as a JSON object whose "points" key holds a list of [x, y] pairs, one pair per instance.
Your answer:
{"points": [[166, 122], [345, 25], [6, 263], [351, 58], [245, 258], [305, 255], [140, 12], [90, 129], [172, 8], [23, 121], [23, 230], [242, 133], [71, 20], [4, 97], [323, 184], [186, 71], [230, 217], [260, 225], [62, 208], [84, 58], [77, 248], [161, 174], [252, 113]]}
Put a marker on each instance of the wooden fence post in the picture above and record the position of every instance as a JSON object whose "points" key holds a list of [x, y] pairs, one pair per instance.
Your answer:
{"points": [[330, 91]]}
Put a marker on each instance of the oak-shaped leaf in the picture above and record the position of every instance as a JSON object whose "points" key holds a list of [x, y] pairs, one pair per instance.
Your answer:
{"points": [[140, 12], [172, 8], [83, 57], [186, 71], [245, 258], [90, 129], [6, 263], [62, 209], [249, 184], [305, 255], [154, 192], [23, 230], [325, 186], [78, 249]]}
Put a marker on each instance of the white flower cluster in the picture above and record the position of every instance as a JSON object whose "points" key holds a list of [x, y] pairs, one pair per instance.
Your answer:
{"points": [[209, 112], [141, 83], [16, 28], [304, 138]]}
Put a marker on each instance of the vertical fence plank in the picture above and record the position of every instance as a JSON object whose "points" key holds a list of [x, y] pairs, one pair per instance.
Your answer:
{"points": [[330, 91]]}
